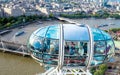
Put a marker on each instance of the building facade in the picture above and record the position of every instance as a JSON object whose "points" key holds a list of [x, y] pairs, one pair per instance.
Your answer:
{"points": [[13, 11]]}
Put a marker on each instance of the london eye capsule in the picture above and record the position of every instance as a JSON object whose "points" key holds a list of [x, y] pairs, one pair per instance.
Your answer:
{"points": [[70, 45]]}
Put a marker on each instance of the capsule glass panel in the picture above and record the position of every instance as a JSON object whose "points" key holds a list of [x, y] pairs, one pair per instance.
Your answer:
{"points": [[103, 47], [44, 45], [76, 53]]}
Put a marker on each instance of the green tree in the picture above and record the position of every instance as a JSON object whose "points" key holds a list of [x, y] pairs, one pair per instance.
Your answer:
{"points": [[10, 19], [101, 70], [51, 15], [4, 20], [8, 24]]}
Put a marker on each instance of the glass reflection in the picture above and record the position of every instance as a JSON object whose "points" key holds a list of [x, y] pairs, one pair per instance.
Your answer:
{"points": [[110, 49], [45, 49]]}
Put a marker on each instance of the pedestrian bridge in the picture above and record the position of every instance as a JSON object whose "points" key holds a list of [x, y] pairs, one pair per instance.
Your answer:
{"points": [[12, 47]]}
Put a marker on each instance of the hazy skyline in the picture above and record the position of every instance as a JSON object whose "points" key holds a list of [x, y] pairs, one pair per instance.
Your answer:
{"points": [[33, 0], [115, 0]]}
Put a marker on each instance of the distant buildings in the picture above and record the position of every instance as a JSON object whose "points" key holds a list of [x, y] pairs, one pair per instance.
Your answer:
{"points": [[56, 7], [118, 8], [29, 12], [13, 11], [18, 8], [1, 12]]}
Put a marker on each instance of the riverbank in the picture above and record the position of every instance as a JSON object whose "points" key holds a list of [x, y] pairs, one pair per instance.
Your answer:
{"points": [[13, 22], [104, 15]]}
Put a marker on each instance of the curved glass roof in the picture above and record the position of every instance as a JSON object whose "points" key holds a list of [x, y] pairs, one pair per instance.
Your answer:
{"points": [[71, 32], [100, 35]]}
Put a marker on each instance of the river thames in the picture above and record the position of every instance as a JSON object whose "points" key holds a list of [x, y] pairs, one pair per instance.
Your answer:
{"points": [[11, 64]]}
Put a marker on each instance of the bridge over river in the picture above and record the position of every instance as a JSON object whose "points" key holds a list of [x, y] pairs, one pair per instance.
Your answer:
{"points": [[12, 47]]}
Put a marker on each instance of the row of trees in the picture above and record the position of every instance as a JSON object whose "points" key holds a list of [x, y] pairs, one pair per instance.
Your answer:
{"points": [[7, 22], [114, 30], [97, 15], [100, 70]]}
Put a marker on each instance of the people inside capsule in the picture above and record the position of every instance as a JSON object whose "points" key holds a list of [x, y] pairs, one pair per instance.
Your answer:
{"points": [[85, 48], [74, 53], [81, 51], [56, 47], [52, 48], [72, 48], [66, 48]]}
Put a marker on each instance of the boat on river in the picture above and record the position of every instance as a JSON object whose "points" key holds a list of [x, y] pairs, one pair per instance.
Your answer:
{"points": [[19, 33], [5, 32], [103, 25]]}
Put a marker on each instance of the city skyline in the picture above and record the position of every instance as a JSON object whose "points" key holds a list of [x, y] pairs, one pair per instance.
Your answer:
{"points": [[84, 0]]}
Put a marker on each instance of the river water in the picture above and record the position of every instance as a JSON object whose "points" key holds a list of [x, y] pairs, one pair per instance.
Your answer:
{"points": [[11, 64], [112, 23]]}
